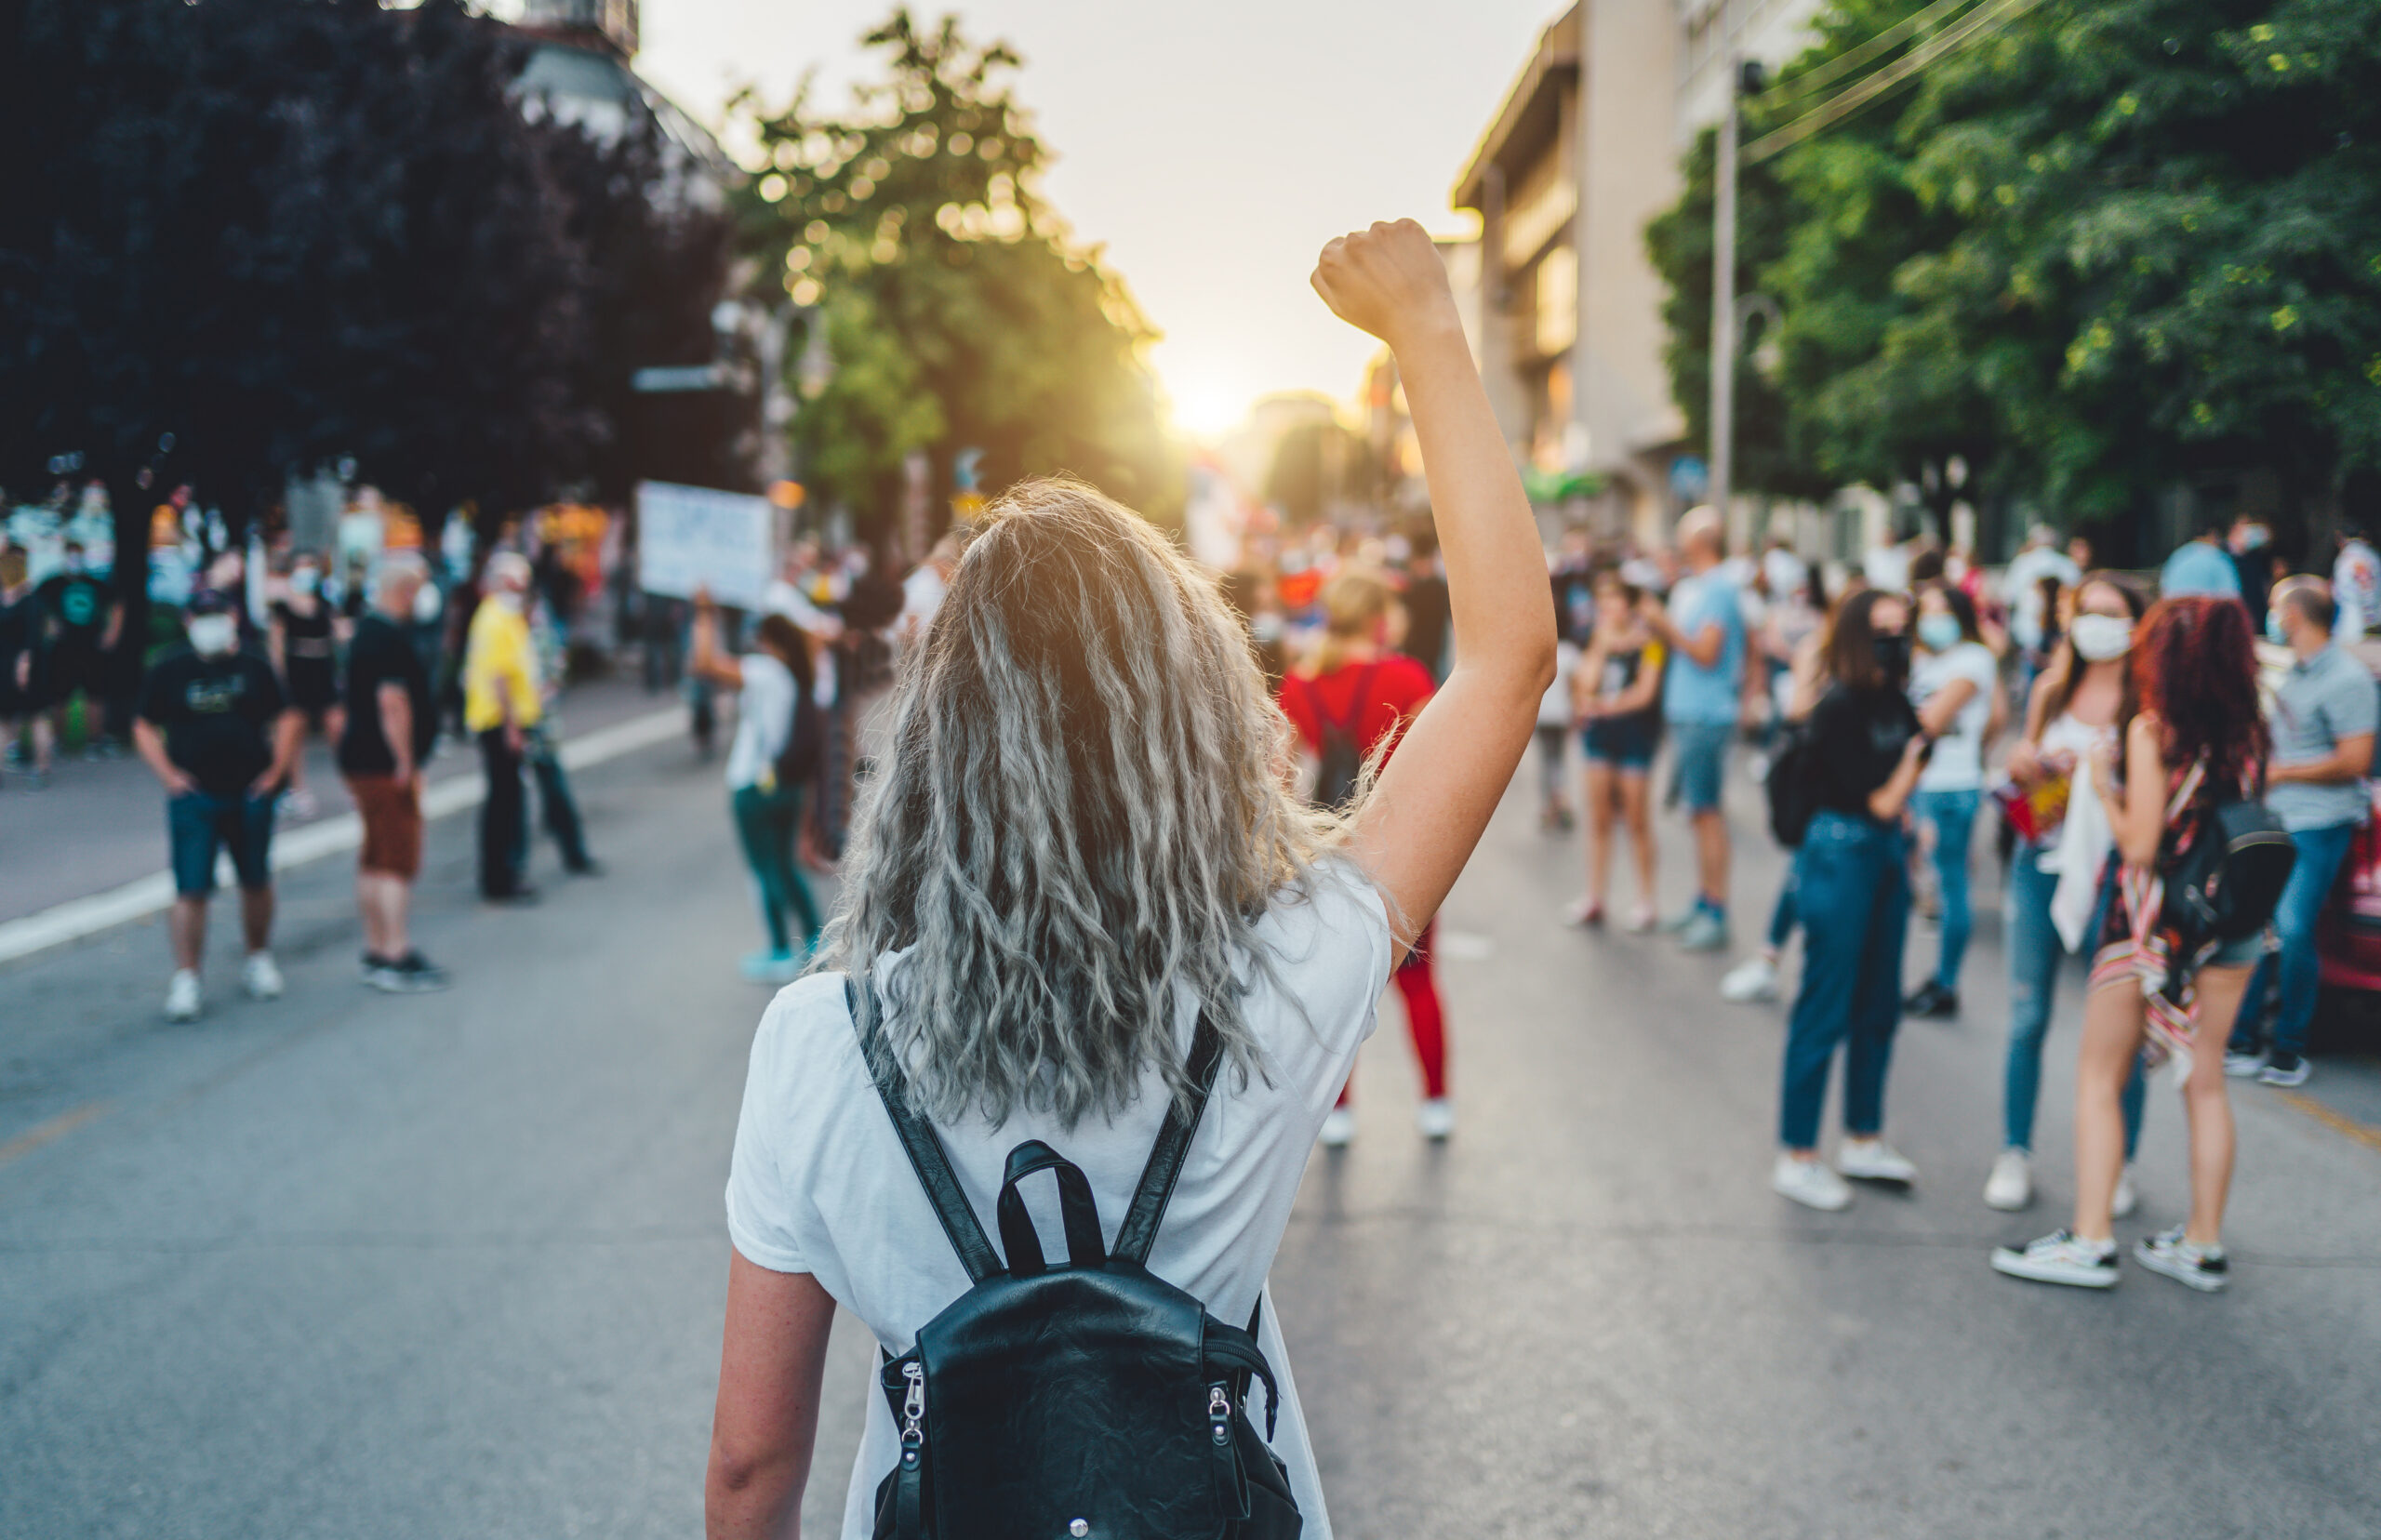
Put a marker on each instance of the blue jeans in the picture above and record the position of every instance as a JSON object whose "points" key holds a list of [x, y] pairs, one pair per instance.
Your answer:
{"points": [[1953, 815], [2296, 966], [2035, 954], [1781, 918], [199, 823], [1852, 892]]}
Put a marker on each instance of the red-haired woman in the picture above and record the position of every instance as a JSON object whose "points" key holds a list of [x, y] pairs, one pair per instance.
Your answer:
{"points": [[2197, 740]]}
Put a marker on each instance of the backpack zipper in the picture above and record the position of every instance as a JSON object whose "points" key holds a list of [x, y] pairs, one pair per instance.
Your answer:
{"points": [[914, 1411]]}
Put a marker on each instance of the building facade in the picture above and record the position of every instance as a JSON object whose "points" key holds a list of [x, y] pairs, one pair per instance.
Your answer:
{"points": [[1583, 152]]}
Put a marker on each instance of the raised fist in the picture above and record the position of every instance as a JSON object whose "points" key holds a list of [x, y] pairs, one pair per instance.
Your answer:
{"points": [[1388, 280]]}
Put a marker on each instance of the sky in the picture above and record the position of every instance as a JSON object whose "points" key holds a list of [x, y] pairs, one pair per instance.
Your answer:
{"points": [[1212, 146]]}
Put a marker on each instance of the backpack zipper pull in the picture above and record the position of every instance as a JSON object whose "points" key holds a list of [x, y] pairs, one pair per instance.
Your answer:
{"points": [[914, 1411], [1219, 1413]]}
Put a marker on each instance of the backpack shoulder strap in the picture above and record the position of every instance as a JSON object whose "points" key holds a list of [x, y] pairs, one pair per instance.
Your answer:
{"points": [[927, 1157], [1357, 700], [1138, 1231]]}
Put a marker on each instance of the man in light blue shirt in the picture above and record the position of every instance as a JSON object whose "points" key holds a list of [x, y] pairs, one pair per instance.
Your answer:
{"points": [[2323, 715], [2200, 565], [1704, 629]]}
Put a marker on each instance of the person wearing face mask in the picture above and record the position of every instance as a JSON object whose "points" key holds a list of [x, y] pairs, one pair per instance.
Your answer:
{"points": [[216, 729], [300, 639], [1952, 683], [501, 704], [1852, 887], [2250, 544], [2322, 714], [2080, 704]]}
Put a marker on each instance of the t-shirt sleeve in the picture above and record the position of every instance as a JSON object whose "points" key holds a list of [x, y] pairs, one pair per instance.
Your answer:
{"points": [[156, 694], [2355, 704], [1331, 950], [761, 1221]]}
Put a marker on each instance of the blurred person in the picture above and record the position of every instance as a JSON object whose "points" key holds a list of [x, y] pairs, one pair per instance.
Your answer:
{"points": [[1702, 633], [2021, 581], [389, 722], [1426, 606], [2201, 566], [1954, 683], [1617, 697], [1852, 896], [1887, 566], [2356, 584], [1250, 594], [215, 728], [2197, 741], [2323, 717], [1178, 882], [771, 685], [21, 701], [1553, 729], [2249, 543], [300, 642], [557, 806], [1351, 706], [2080, 551], [923, 590], [81, 622], [2080, 704], [502, 703]]}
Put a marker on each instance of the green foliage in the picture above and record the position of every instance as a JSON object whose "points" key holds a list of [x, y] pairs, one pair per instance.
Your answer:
{"points": [[2115, 244], [957, 310]]}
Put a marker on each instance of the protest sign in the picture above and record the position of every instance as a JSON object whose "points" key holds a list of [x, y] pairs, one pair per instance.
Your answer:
{"points": [[694, 536]]}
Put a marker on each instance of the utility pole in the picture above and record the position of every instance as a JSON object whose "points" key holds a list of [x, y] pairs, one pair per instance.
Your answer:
{"points": [[1723, 300]]}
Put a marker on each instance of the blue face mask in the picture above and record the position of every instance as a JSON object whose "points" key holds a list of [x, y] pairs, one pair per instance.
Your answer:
{"points": [[2273, 629], [1939, 632]]}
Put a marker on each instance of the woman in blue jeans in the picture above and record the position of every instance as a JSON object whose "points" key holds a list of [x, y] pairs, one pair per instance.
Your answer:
{"points": [[1951, 684], [1852, 891], [2081, 701]]}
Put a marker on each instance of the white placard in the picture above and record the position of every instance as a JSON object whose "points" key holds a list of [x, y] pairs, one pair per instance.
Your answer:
{"points": [[694, 536]]}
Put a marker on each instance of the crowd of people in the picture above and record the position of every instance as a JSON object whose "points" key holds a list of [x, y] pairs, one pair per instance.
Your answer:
{"points": [[2092, 723]]}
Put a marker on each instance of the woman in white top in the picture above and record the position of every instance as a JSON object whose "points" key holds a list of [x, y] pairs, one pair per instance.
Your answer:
{"points": [[1083, 839], [770, 682], [1952, 683]]}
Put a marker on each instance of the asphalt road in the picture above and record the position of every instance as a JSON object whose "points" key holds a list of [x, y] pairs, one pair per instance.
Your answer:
{"points": [[354, 1265]]}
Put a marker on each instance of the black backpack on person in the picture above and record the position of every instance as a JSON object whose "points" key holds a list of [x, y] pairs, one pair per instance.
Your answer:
{"points": [[2228, 885], [806, 737], [1794, 798], [1089, 1399], [1342, 758]]}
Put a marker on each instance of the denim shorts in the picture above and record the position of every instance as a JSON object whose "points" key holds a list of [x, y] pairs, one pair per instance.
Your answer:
{"points": [[2242, 953], [1702, 762], [200, 824], [1625, 743]]}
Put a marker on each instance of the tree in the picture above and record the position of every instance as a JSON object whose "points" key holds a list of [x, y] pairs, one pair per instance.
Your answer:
{"points": [[958, 310]]}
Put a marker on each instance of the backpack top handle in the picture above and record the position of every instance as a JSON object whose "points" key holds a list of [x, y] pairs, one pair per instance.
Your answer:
{"points": [[1085, 1248]]}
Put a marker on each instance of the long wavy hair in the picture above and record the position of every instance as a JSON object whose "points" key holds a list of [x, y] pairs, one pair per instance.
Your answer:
{"points": [[1083, 817], [2195, 666]]}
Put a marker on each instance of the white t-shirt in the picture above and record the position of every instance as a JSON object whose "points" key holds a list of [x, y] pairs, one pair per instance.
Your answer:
{"points": [[819, 1183], [764, 712], [2022, 587], [1957, 764]]}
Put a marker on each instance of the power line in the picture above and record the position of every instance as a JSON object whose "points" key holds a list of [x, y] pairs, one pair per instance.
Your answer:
{"points": [[1978, 23], [1853, 58]]}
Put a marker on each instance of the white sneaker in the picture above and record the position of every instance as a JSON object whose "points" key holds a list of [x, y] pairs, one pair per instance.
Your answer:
{"points": [[1338, 1127], [2011, 1185], [1809, 1183], [183, 998], [1874, 1160], [2203, 1268], [1642, 919], [2127, 1197], [2059, 1257], [1436, 1119], [1751, 982], [260, 976]]}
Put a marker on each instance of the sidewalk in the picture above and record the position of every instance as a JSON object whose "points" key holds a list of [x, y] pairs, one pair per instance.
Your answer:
{"points": [[97, 826]]}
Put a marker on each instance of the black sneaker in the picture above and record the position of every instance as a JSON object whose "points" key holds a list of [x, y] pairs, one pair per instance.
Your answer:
{"points": [[1931, 1001], [383, 975], [418, 974], [2283, 1068]]}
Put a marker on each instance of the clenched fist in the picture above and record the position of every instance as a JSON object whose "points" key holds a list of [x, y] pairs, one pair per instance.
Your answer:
{"points": [[1388, 280]]}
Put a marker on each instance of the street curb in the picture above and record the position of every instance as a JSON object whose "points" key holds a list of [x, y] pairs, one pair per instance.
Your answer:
{"points": [[79, 918]]}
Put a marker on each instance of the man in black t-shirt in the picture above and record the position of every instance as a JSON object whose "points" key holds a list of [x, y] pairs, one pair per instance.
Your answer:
{"points": [[389, 727], [79, 620], [215, 728]]}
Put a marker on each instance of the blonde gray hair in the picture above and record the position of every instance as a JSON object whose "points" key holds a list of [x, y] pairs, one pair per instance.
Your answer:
{"points": [[1082, 820]]}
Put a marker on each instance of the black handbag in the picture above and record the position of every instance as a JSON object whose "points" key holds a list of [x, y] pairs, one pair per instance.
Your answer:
{"points": [[1089, 1400]]}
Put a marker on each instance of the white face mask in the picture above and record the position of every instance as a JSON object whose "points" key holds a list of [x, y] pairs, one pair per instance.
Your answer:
{"points": [[306, 582], [427, 603], [508, 599], [213, 635], [2101, 637]]}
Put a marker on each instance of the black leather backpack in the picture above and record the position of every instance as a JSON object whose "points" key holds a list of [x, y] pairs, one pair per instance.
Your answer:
{"points": [[1091, 1400]]}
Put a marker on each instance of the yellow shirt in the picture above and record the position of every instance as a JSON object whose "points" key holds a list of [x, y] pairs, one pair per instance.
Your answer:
{"points": [[497, 651]]}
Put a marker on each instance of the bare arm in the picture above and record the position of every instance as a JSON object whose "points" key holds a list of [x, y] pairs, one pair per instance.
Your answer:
{"points": [[288, 735], [710, 661], [766, 1421], [2137, 814], [151, 745], [1432, 802], [1703, 648], [1887, 800], [2349, 760], [397, 728], [1943, 706]]}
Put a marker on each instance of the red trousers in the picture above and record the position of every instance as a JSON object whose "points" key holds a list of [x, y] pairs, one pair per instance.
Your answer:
{"points": [[1425, 1015]]}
